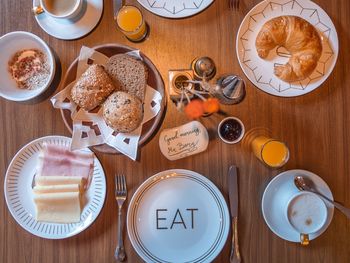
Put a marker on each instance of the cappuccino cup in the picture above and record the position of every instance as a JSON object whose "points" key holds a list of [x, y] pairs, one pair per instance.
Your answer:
{"points": [[63, 9], [307, 214]]}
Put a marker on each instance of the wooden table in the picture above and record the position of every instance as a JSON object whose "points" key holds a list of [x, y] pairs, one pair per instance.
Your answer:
{"points": [[315, 126]]}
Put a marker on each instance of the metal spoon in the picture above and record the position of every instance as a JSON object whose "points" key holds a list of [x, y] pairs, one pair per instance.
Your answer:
{"points": [[301, 184]]}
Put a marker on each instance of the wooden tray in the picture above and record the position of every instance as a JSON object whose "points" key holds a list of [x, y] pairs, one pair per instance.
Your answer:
{"points": [[154, 80]]}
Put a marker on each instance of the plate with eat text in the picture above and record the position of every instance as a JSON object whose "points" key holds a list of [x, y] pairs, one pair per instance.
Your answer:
{"points": [[178, 216]]}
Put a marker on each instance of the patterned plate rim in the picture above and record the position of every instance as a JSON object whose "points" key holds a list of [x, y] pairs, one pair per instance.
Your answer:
{"points": [[296, 91], [89, 213], [173, 14]]}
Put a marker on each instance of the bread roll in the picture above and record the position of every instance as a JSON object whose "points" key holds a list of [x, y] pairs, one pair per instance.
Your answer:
{"points": [[122, 112], [299, 37], [128, 73], [92, 88]]}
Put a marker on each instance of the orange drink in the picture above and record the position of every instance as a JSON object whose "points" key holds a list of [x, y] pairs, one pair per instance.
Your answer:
{"points": [[271, 152], [130, 21]]}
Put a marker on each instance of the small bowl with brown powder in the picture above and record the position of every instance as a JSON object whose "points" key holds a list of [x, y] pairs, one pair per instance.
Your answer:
{"points": [[27, 66]]}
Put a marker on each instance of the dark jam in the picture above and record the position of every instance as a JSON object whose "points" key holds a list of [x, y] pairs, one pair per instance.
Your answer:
{"points": [[231, 130]]}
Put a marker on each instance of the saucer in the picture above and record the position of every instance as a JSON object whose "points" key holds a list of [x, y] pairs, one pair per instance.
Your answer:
{"points": [[275, 199], [69, 29]]}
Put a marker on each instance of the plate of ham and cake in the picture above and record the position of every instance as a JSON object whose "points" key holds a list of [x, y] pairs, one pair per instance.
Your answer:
{"points": [[287, 48], [120, 91], [53, 192]]}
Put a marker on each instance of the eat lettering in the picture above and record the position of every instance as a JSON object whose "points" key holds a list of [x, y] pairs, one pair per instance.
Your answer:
{"points": [[178, 219]]}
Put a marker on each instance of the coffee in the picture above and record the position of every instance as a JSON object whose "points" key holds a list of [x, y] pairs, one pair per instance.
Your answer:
{"points": [[62, 8], [307, 213]]}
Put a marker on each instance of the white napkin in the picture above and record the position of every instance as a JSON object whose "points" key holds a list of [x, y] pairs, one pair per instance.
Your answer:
{"points": [[86, 123]]}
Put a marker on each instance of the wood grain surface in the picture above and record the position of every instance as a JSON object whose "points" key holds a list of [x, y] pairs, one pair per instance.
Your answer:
{"points": [[315, 126]]}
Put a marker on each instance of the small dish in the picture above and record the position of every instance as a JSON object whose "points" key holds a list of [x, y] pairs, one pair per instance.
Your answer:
{"points": [[231, 130], [9, 45], [275, 199]]}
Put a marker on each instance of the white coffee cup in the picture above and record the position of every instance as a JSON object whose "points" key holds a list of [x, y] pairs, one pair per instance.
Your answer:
{"points": [[63, 9], [307, 214]]}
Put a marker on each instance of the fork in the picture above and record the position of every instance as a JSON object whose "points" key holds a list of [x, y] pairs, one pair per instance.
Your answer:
{"points": [[120, 196], [233, 4]]}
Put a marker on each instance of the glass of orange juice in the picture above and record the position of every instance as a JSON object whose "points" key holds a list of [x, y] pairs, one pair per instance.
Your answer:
{"points": [[131, 23], [271, 152]]}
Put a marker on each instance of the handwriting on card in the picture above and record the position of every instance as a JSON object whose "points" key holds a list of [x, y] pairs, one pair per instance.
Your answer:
{"points": [[184, 140]]}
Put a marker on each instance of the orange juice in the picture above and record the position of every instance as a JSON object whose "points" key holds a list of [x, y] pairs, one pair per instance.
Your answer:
{"points": [[271, 152], [131, 23]]}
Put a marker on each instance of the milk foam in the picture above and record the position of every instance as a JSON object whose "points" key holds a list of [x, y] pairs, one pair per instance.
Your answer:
{"points": [[307, 213]]}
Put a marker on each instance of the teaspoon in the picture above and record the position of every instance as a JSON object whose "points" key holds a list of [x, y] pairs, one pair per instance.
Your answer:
{"points": [[302, 185]]}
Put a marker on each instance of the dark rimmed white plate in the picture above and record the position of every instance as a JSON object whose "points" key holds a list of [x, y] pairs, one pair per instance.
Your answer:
{"points": [[178, 216]]}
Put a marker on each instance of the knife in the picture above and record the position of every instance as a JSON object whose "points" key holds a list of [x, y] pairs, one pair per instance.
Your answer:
{"points": [[117, 4], [235, 256]]}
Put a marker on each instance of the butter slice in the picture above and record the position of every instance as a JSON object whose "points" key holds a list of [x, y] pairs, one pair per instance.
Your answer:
{"points": [[61, 188], [58, 207], [58, 180]]}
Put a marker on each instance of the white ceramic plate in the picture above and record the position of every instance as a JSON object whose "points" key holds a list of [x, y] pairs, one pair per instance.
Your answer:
{"points": [[178, 216], [275, 199], [75, 28], [10, 44], [260, 71], [175, 8], [19, 195]]}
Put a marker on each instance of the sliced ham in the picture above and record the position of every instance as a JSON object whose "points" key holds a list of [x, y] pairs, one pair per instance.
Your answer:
{"points": [[57, 160]]}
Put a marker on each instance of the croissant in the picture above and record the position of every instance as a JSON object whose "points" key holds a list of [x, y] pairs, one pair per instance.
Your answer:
{"points": [[301, 40]]}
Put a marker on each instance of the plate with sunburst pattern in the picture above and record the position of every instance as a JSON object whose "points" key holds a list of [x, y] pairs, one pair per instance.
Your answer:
{"points": [[175, 8], [261, 72]]}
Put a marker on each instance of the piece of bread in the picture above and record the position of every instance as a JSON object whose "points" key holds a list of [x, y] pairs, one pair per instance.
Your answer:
{"points": [[122, 112], [92, 88], [301, 40], [128, 73]]}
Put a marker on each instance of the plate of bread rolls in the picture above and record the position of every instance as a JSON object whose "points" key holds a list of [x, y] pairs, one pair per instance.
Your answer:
{"points": [[287, 48], [118, 89]]}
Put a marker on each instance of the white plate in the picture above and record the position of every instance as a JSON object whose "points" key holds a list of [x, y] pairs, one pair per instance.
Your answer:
{"points": [[260, 71], [19, 195], [72, 28], [196, 235], [275, 199], [175, 8]]}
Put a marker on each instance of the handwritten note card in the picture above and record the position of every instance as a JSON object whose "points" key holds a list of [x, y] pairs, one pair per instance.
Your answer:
{"points": [[182, 141]]}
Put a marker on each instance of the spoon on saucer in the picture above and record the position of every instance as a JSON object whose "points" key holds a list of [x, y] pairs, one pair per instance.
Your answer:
{"points": [[302, 184]]}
